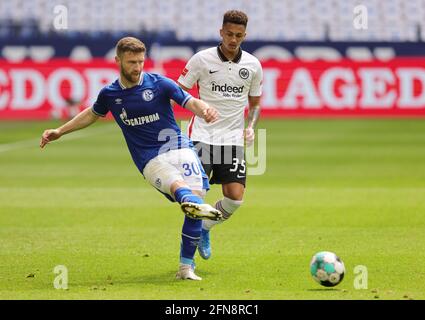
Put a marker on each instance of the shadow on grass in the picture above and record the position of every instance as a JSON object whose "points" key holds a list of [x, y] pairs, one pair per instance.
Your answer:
{"points": [[167, 278], [324, 289]]}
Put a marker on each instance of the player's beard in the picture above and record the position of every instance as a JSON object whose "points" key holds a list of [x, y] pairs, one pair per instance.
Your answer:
{"points": [[133, 78]]}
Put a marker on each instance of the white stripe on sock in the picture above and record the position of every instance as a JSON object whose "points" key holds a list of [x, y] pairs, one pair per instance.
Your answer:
{"points": [[194, 238]]}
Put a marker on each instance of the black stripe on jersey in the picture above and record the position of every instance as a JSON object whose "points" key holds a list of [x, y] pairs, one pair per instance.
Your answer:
{"points": [[224, 58], [97, 113]]}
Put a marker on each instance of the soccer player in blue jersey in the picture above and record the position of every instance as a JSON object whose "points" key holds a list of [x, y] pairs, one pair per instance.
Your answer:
{"points": [[140, 104]]}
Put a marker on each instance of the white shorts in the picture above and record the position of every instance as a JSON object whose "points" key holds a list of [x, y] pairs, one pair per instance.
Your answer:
{"points": [[176, 165]]}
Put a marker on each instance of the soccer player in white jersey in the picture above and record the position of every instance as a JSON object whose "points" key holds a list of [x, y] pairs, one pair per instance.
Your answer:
{"points": [[229, 79], [140, 104]]}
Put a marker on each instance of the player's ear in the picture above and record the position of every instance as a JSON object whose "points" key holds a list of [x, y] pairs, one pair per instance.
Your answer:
{"points": [[221, 32], [117, 60]]}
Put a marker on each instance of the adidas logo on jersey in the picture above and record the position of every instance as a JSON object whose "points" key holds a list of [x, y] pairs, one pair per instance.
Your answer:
{"points": [[226, 88]]}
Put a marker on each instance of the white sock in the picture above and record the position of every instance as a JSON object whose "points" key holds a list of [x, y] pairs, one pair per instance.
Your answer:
{"points": [[227, 207]]}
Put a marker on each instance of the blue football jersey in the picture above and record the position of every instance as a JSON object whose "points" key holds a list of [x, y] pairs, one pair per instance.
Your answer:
{"points": [[145, 115]]}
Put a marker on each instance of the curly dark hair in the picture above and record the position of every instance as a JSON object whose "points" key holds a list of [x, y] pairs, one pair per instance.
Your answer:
{"points": [[235, 16]]}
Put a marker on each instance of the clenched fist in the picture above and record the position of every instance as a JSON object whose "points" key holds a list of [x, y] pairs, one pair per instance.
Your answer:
{"points": [[210, 114], [49, 135], [249, 136]]}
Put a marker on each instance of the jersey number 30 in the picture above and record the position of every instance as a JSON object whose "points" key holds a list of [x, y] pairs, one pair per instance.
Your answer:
{"points": [[190, 168]]}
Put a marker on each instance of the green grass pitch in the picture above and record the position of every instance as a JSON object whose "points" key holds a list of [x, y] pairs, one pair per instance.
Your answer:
{"points": [[355, 187]]}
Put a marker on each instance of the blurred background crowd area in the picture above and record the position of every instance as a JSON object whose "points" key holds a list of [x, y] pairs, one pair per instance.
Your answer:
{"points": [[320, 57], [199, 20]]}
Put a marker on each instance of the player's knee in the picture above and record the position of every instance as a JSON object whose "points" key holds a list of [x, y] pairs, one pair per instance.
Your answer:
{"points": [[234, 191], [235, 194]]}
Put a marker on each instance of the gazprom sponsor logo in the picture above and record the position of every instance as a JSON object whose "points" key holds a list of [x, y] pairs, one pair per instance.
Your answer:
{"points": [[139, 120]]}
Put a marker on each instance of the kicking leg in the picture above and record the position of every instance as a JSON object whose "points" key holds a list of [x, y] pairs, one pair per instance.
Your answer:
{"points": [[192, 204], [169, 174]]}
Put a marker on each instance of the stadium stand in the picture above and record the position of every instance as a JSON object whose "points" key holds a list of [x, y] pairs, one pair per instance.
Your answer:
{"points": [[197, 20]]}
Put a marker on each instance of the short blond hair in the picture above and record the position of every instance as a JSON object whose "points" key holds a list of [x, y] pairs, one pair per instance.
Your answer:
{"points": [[129, 44]]}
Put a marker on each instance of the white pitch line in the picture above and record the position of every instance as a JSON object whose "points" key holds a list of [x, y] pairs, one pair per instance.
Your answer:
{"points": [[36, 142]]}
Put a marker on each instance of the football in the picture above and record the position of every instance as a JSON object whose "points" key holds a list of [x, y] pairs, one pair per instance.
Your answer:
{"points": [[327, 268]]}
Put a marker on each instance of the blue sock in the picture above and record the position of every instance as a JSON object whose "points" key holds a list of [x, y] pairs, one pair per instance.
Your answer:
{"points": [[191, 233], [186, 195]]}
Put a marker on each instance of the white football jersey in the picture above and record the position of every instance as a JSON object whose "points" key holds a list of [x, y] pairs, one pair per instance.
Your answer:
{"points": [[224, 85]]}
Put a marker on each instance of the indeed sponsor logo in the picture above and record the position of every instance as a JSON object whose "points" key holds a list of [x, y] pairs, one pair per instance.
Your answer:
{"points": [[226, 88]]}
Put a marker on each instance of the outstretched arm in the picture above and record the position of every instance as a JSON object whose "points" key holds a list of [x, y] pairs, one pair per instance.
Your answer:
{"points": [[202, 110], [80, 121]]}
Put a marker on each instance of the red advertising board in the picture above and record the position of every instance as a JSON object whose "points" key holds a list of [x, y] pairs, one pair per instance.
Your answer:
{"points": [[30, 90]]}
